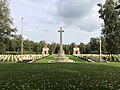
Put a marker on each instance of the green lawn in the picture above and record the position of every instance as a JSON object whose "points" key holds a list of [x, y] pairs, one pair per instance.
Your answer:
{"points": [[51, 57], [41, 75], [76, 59], [60, 76], [46, 59]]}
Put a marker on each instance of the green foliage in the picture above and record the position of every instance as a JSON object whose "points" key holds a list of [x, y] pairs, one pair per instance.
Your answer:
{"points": [[103, 45], [2, 48], [52, 47], [31, 47], [94, 45], [67, 49], [88, 50], [76, 59], [60, 76], [57, 48], [5, 24], [111, 27], [82, 48], [41, 44], [71, 48], [16, 44], [46, 59], [50, 52]]}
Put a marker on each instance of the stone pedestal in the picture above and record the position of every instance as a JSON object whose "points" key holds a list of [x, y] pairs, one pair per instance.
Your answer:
{"points": [[61, 57]]}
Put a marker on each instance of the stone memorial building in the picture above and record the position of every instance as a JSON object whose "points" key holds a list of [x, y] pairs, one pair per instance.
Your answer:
{"points": [[76, 50], [45, 50]]}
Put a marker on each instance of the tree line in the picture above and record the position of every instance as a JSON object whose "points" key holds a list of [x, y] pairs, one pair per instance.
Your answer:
{"points": [[31, 47], [11, 43]]}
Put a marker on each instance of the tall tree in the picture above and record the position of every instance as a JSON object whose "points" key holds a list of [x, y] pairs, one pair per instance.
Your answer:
{"points": [[103, 45], [52, 47], [111, 28], [16, 43], [66, 49], [82, 48], [5, 24], [41, 44], [94, 45], [88, 50], [71, 48], [57, 48]]}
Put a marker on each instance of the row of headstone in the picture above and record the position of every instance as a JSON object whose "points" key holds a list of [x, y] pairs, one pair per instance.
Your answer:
{"points": [[16, 58], [32, 57], [96, 57]]}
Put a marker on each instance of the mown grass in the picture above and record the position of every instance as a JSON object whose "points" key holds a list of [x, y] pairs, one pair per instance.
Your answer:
{"points": [[51, 57], [76, 59], [46, 59], [60, 76]]}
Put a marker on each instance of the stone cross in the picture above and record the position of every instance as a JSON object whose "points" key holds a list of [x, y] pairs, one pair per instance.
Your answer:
{"points": [[61, 55], [61, 49]]}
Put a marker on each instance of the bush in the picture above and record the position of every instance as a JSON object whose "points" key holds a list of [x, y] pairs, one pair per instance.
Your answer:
{"points": [[50, 52], [2, 48]]}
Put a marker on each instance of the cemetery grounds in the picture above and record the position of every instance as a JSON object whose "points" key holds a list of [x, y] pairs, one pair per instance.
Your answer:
{"points": [[40, 75]]}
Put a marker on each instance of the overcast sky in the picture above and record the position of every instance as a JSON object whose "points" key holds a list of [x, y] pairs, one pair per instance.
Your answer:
{"points": [[42, 19]]}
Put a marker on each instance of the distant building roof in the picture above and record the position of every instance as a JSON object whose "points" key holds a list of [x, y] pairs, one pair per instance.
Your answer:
{"points": [[76, 46], [45, 46]]}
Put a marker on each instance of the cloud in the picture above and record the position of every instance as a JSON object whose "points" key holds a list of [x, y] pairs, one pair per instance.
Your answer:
{"points": [[79, 13], [42, 19], [73, 8]]}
